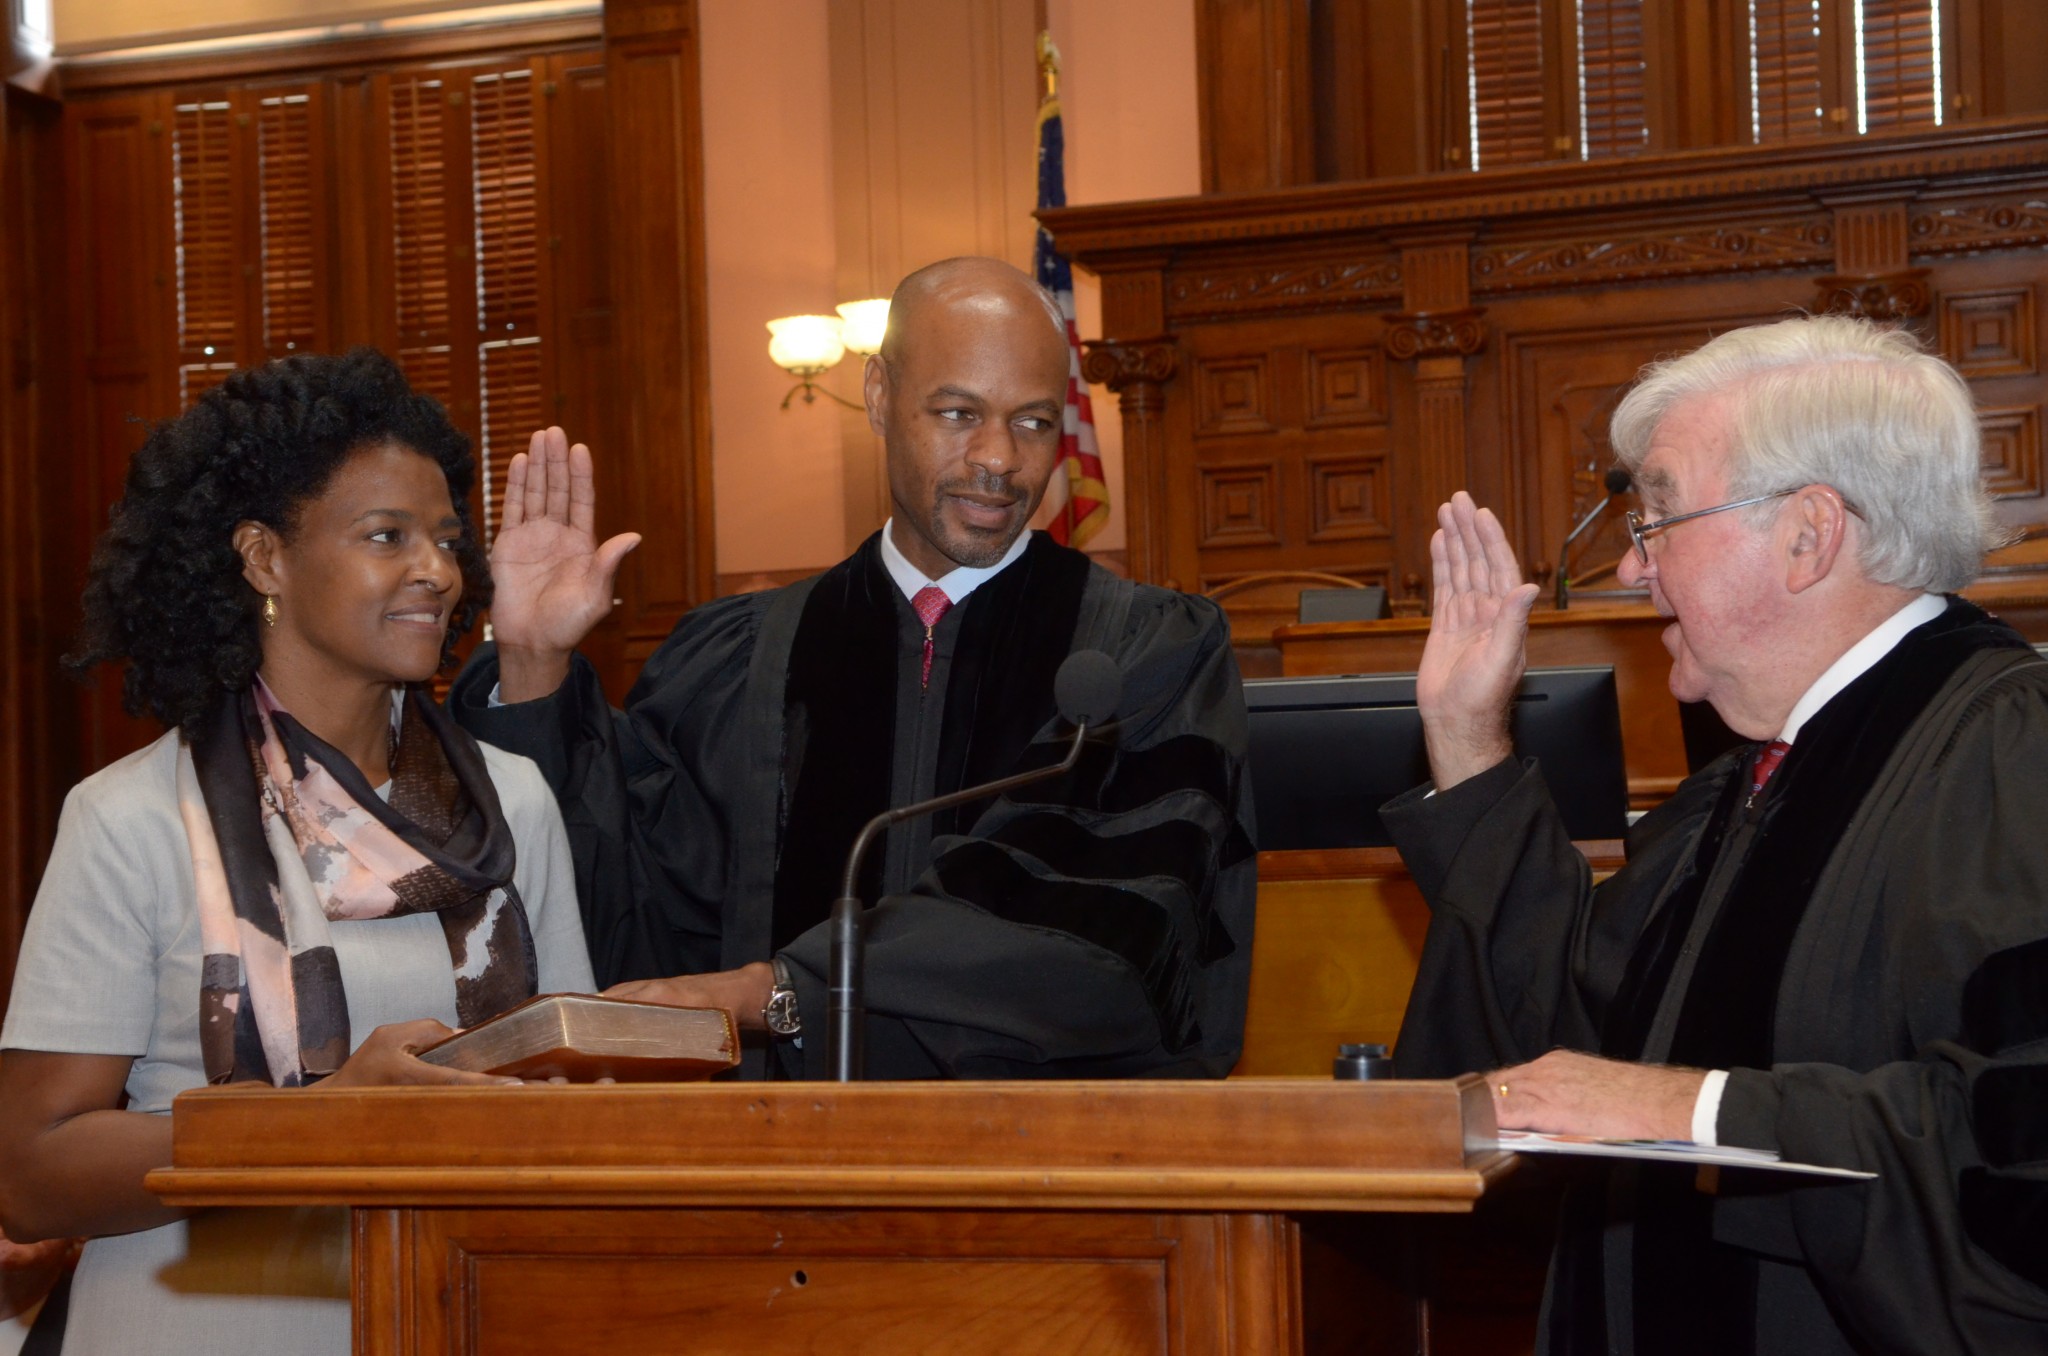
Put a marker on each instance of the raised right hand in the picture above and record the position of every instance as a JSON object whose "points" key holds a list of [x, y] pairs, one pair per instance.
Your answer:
{"points": [[387, 1058], [554, 581], [1475, 655]]}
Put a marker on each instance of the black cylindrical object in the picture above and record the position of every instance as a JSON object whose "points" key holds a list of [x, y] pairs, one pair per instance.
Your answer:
{"points": [[1362, 1061]]}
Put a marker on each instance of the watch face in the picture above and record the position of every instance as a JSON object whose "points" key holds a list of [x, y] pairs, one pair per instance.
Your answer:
{"points": [[780, 1014]]}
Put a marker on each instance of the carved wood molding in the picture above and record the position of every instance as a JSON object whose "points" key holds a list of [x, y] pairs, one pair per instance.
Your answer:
{"points": [[2017, 220], [1802, 171], [1886, 297], [1134, 369], [1444, 334], [1322, 282], [1592, 257]]}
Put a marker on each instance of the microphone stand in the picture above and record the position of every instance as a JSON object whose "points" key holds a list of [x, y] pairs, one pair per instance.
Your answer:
{"points": [[1617, 482], [844, 1011]]}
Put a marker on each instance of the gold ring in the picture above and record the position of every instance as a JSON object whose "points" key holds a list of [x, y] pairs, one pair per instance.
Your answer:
{"points": [[1503, 1091]]}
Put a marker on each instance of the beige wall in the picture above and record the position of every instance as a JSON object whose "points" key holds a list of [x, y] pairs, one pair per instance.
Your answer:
{"points": [[927, 149]]}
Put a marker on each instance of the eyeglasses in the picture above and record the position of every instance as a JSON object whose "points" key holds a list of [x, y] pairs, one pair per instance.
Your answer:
{"points": [[1639, 531]]}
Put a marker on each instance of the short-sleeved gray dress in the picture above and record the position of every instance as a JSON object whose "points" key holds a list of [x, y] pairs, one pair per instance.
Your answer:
{"points": [[110, 966]]}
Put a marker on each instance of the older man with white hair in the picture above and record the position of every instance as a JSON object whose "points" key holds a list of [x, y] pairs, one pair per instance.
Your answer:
{"points": [[1832, 943]]}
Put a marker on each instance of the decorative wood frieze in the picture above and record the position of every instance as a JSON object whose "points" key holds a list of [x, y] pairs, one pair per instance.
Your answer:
{"points": [[1622, 256], [1264, 287], [2016, 221]]}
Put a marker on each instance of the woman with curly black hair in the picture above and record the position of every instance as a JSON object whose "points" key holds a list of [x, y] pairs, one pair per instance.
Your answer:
{"points": [[311, 876]]}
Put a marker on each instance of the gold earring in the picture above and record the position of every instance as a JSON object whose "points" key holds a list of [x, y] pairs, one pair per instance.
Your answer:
{"points": [[270, 609]]}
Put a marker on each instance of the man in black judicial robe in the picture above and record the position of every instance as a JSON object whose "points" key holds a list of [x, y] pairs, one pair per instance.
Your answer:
{"points": [[1096, 924], [1844, 960]]}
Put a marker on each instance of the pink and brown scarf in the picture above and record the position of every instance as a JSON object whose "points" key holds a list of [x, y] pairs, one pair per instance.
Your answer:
{"points": [[287, 835]]}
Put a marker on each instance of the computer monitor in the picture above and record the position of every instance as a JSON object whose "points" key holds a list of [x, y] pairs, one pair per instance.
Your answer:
{"points": [[1326, 753]]}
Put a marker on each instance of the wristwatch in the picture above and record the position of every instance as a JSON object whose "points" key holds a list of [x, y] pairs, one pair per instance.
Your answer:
{"points": [[780, 1015]]}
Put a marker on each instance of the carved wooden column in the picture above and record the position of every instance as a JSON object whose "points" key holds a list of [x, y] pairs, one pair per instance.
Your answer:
{"points": [[1138, 370], [1437, 330], [1871, 277]]}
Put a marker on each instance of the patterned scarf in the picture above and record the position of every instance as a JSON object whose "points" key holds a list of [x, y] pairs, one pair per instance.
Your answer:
{"points": [[287, 834]]}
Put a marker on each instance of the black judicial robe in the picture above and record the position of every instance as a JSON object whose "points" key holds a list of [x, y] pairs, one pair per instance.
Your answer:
{"points": [[1096, 924], [1865, 947]]}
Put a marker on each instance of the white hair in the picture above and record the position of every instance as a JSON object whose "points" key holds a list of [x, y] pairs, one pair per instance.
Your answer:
{"points": [[1829, 400]]}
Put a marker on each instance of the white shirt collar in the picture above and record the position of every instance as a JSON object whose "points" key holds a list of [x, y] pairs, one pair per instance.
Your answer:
{"points": [[1858, 658], [956, 583]]}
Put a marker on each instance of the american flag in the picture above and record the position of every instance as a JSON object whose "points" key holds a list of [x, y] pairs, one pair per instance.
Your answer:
{"points": [[1077, 499]]}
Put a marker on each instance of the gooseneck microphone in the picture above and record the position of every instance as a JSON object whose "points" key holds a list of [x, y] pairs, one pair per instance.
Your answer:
{"points": [[1617, 482], [1086, 689]]}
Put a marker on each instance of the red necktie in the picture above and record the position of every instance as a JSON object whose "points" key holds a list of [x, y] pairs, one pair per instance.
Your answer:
{"points": [[930, 604], [1767, 760]]}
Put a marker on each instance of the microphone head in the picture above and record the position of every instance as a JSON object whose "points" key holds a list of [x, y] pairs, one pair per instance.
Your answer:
{"points": [[1618, 480], [1087, 688]]}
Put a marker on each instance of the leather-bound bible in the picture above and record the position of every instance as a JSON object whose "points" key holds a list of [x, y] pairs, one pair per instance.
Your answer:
{"points": [[584, 1038]]}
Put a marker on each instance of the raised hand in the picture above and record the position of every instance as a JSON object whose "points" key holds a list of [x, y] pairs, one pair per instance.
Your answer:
{"points": [[554, 581], [389, 1057], [1475, 655]]}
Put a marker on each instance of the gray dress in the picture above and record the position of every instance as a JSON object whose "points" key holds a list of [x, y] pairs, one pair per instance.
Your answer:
{"points": [[110, 966]]}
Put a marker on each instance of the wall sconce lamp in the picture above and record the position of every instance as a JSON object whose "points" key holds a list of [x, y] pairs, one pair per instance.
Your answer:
{"points": [[807, 346]]}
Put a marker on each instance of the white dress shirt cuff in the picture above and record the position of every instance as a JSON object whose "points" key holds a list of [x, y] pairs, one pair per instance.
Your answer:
{"points": [[1706, 1111]]}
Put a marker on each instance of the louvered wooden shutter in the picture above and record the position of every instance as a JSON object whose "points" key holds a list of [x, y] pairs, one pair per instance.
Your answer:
{"points": [[1785, 86], [419, 232], [503, 169], [1898, 73], [288, 222], [1504, 79], [207, 251], [1612, 117]]}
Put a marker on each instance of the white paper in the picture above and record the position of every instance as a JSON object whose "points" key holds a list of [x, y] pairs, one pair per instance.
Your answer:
{"points": [[1665, 1151]]}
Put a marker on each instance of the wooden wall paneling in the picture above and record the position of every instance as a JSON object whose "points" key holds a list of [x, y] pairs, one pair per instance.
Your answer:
{"points": [[1515, 305], [1255, 93], [663, 464], [123, 347], [583, 328], [356, 269], [36, 765], [1137, 359]]}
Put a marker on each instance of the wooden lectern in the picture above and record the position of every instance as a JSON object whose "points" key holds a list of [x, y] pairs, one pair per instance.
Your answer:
{"points": [[776, 1218]]}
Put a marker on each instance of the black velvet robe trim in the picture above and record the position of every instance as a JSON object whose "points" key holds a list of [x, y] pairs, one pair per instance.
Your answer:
{"points": [[2008, 1218], [1178, 849], [839, 733], [2009, 1113], [1017, 631], [2005, 1003]]}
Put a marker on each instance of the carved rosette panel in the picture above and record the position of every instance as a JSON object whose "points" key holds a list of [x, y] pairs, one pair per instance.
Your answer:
{"points": [[1978, 226], [1893, 296], [1134, 370], [1529, 267], [2012, 451], [1444, 334], [1271, 287]]}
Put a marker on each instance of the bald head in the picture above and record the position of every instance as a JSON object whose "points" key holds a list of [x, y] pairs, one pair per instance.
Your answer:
{"points": [[968, 394], [967, 290]]}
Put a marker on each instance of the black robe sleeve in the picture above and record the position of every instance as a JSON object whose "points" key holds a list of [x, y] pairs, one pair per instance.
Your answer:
{"points": [[1523, 952], [1096, 924], [642, 790]]}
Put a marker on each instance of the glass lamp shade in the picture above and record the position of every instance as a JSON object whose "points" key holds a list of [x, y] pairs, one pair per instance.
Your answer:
{"points": [[805, 345], [864, 322]]}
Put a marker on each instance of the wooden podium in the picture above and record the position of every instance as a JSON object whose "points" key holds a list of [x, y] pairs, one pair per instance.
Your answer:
{"points": [[780, 1218]]}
